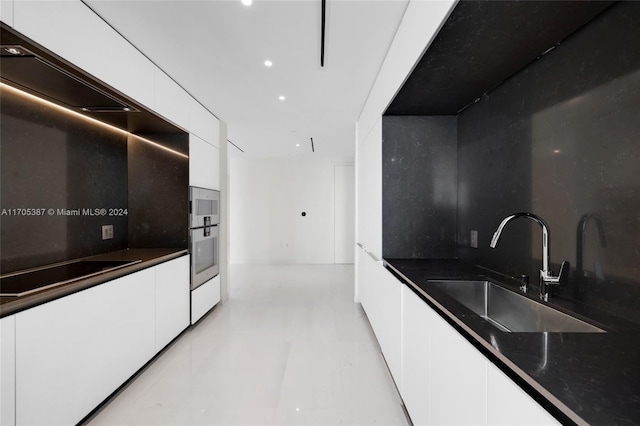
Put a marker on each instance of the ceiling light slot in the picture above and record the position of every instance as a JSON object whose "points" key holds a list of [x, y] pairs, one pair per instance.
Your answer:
{"points": [[322, 31]]}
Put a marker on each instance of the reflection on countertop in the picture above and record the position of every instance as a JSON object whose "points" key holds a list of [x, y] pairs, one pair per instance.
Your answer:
{"points": [[126, 261]]}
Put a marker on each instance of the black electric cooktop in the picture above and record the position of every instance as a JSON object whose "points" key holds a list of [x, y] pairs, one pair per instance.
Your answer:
{"points": [[24, 283]]}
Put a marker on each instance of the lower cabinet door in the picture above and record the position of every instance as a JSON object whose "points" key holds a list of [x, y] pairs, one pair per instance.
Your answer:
{"points": [[509, 404], [381, 301], [389, 296], [73, 352], [361, 277], [415, 357], [204, 298], [458, 385], [172, 300], [7, 370]]}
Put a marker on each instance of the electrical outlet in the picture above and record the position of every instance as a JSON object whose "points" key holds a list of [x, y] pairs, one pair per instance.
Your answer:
{"points": [[474, 239], [107, 232]]}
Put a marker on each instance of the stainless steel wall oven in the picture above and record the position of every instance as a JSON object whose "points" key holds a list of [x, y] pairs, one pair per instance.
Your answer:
{"points": [[204, 217]]}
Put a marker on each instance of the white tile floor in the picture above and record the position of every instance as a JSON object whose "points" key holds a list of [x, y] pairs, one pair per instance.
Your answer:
{"points": [[289, 347]]}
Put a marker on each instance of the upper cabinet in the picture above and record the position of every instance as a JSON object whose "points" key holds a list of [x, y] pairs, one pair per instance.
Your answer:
{"points": [[204, 163], [171, 101], [175, 104], [203, 124], [74, 32], [77, 35], [6, 11]]}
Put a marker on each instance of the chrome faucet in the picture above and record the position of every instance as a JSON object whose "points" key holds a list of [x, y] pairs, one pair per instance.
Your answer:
{"points": [[547, 279]]}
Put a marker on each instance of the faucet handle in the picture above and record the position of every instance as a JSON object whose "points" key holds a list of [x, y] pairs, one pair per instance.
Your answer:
{"points": [[561, 278], [563, 275]]}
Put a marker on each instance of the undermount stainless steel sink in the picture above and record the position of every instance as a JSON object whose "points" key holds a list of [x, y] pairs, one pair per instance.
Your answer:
{"points": [[510, 311]]}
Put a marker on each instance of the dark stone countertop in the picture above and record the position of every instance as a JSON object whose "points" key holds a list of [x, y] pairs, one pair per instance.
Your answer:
{"points": [[587, 378], [148, 257]]}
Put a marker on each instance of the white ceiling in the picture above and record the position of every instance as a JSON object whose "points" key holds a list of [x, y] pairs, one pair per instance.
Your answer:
{"points": [[216, 50]]}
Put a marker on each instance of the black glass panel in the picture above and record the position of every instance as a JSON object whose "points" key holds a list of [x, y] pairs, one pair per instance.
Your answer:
{"points": [[23, 283]]}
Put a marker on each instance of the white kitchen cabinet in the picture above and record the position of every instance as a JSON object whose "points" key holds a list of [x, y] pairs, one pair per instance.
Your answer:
{"points": [[171, 101], [382, 304], [458, 372], [416, 348], [444, 377], [204, 163], [6, 13], [370, 303], [73, 31], [203, 124], [509, 404], [389, 302], [73, 352], [7, 370], [369, 170], [361, 276], [178, 106], [172, 300], [204, 298]]}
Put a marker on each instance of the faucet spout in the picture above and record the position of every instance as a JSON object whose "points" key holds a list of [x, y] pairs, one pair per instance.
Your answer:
{"points": [[545, 234], [546, 277]]}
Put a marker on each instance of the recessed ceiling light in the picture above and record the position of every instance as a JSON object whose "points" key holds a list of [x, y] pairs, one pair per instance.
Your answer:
{"points": [[247, 2], [282, 98], [268, 63], [556, 151], [297, 144]]}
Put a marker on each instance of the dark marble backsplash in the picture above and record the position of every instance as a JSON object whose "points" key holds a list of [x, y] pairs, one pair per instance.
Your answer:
{"points": [[158, 195], [559, 139], [419, 186], [53, 160]]}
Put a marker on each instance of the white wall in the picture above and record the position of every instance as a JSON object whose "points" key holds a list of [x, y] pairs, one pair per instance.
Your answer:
{"points": [[267, 197]]}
